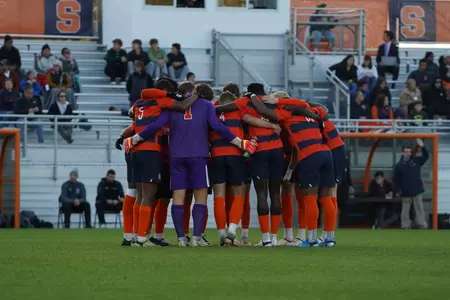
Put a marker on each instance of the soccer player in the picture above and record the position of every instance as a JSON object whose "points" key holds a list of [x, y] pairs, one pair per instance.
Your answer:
{"points": [[313, 162], [189, 150], [228, 169]]}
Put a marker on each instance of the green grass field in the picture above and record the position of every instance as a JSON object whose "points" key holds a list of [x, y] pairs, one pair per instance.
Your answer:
{"points": [[89, 264]]}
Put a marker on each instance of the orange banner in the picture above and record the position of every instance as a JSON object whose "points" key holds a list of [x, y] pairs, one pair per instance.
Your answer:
{"points": [[22, 16]]}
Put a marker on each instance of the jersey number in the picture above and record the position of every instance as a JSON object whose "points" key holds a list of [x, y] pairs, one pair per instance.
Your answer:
{"points": [[222, 117], [311, 120], [140, 113], [188, 114]]}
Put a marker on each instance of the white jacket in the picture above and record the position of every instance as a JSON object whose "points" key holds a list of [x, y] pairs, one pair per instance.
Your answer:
{"points": [[366, 72]]}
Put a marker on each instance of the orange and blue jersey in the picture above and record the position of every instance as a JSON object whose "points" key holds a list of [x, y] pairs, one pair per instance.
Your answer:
{"points": [[268, 139], [332, 137]]}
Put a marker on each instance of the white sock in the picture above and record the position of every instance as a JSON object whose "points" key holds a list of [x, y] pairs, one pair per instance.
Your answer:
{"points": [[221, 232], [131, 192], [330, 235], [159, 236], [128, 236], [141, 239], [266, 237], [232, 228], [197, 238], [245, 233], [135, 237], [301, 235], [274, 237], [183, 238], [323, 235], [312, 235], [288, 234]]}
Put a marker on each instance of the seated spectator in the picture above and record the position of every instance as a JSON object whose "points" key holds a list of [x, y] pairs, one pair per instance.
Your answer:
{"points": [[410, 94], [7, 73], [44, 64], [368, 72], [190, 77], [444, 69], [415, 112], [58, 80], [29, 105], [381, 188], [319, 31], [358, 108], [158, 60], [346, 71], [73, 200], [177, 64], [30, 79], [63, 108], [11, 54], [7, 99], [433, 96], [136, 54], [110, 196], [440, 107], [381, 87], [116, 62], [138, 81], [432, 68], [421, 76], [387, 51], [381, 109], [70, 66], [361, 86]]}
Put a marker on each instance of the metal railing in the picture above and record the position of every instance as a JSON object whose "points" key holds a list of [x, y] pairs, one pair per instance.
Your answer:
{"points": [[218, 43], [395, 126]]}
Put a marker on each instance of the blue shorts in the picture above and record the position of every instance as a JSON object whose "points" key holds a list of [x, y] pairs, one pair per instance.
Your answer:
{"points": [[164, 192], [230, 169], [268, 164], [339, 163], [130, 178], [146, 166], [188, 173], [315, 170]]}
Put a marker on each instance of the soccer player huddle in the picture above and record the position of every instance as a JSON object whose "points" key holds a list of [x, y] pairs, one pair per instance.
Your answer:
{"points": [[179, 142]]}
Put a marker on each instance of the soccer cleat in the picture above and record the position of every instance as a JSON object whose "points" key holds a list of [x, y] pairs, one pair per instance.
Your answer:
{"points": [[295, 242], [267, 244], [204, 242], [144, 244], [284, 242], [308, 244], [237, 243], [222, 240], [330, 243], [274, 242], [159, 242], [183, 242], [188, 238], [245, 242], [259, 244], [198, 243], [126, 242], [167, 242]]}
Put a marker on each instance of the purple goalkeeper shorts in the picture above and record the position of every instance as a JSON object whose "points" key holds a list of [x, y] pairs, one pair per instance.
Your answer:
{"points": [[188, 173]]}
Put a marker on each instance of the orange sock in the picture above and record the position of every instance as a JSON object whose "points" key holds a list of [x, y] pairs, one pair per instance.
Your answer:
{"points": [[136, 208], [237, 209], [329, 213], [161, 216], [127, 212], [312, 211], [219, 212], [187, 217], [206, 220], [264, 223], [287, 212], [152, 217], [301, 212], [274, 223], [334, 199], [145, 213], [229, 197], [245, 222]]}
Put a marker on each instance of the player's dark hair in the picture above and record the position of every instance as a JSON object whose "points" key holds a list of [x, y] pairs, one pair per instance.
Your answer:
{"points": [[256, 88], [153, 41], [226, 97], [186, 87], [232, 88], [172, 82], [177, 46], [164, 85], [389, 34], [110, 172], [205, 90]]}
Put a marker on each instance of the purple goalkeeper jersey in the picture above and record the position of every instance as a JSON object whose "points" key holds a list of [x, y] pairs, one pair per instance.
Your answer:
{"points": [[189, 130]]}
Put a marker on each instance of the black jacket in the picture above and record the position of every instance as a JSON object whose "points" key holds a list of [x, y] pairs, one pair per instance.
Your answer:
{"points": [[176, 58], [136, 83], [407, 178], [54, 111], [393, 52], [143, 56], [435, 101], [22, 105], [7, 100], [12, 55], [343, 73], [376, 190], [109, 190]]}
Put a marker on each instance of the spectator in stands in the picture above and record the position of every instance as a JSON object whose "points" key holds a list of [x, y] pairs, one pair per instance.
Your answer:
{"points": [[138, 81], [361, 86], [116, 62], [346, 71], [190, 77], [434, 98], [381, 109], [7, 73], [408, 182], [73, 200], [70, 67], [416, 112], [7, 99], [388, 60], [63, 108], [439, 106], [358, 108], [58, 80], [158, 60], [320, 31], [368, 72], [44, 64], [432, 68], [30, 79], [382, 189], [136, 54], [410, 94], [11, 54], [421, 76], [381, 87], [177, 64], [29, 105], [110, 196], [444, 69]]}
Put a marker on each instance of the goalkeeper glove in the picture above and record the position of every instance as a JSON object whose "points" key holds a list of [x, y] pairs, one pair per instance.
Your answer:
{"points": [[249, 146], [119, 143], [128, 144]]}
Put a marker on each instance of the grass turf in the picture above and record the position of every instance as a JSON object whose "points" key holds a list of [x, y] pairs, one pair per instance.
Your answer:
{"points": [[89, 264]]}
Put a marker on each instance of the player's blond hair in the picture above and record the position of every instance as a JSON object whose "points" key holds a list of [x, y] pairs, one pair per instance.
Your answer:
{"points": [[281, 94]]}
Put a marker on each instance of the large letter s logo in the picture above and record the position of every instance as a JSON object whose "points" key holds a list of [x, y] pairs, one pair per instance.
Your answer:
{"points": [[412, 20], [68, 13]]}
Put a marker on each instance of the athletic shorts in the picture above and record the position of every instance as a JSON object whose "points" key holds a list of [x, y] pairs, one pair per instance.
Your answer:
{"points": [[249, 174], [164, 191], [339, 163], [129, 167], [228, 169], [268, 164], [146, 166], [315, 170], [188, 173]]}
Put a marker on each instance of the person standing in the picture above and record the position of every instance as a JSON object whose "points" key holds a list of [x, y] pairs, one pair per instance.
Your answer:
{"points": [[408, 182]]}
